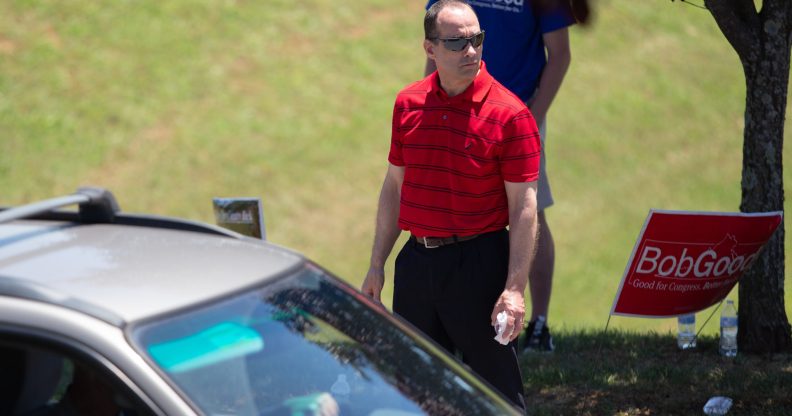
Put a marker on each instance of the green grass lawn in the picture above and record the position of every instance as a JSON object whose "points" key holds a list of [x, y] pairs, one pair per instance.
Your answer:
{"points": [[172, 103]]}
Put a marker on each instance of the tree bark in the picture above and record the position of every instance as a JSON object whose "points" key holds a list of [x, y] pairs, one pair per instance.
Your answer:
{"points": [[762, 41]]}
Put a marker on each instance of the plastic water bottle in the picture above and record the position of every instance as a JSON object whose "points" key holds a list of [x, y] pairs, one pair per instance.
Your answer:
{"points": [[686, 337], [341, 388], [728, 330]]}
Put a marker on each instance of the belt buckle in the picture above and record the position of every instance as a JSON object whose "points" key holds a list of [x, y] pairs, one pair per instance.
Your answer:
{"points": [[427, 244]]}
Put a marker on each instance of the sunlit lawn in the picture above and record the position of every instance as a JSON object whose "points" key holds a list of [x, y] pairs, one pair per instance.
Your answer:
{"points": [[172, 103]]}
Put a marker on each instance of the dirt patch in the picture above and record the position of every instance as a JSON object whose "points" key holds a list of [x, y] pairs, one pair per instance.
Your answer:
{"points": [[52, 37], [7, 46]]}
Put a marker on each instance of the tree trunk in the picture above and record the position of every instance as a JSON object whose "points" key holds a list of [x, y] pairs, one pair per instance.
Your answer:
{"points": [[763, 324], [762, 40]]}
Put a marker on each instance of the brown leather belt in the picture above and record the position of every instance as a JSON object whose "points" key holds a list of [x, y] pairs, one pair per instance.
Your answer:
{"points": [[435, 242]]}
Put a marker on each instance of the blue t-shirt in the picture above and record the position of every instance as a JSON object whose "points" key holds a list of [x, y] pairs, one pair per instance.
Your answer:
{"points": [[513, 47]]}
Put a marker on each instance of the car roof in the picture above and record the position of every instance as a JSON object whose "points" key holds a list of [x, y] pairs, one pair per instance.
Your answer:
{"points": [[134, 267]]}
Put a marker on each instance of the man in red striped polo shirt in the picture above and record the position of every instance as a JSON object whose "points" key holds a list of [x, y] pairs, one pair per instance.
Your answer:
{"points": [[464, 161]]}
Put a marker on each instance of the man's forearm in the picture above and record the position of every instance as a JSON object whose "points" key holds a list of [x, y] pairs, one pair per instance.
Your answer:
{"points": [[522, 241], [387, 228], [522, 235]]}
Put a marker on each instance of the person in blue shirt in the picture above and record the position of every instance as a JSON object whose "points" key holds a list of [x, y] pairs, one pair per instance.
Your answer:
{"points": [[527, 50]]}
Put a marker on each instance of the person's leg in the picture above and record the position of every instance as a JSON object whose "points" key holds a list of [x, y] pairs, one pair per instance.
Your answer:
{"points": [[413, 292], [466, 307], [541, 276]]}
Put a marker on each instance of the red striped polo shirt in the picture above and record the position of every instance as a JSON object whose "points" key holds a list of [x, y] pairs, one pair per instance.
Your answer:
{"points": [[457, 152]]}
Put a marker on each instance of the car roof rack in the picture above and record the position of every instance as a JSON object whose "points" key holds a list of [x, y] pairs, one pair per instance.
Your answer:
{"points": [[99, 206]]}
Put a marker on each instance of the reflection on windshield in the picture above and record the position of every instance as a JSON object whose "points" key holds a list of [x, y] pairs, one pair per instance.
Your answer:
{"points": [[305, 345]]}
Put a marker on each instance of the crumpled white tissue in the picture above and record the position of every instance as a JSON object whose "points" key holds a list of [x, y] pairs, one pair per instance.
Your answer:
{"points": [[717, 406], [500, 328]]}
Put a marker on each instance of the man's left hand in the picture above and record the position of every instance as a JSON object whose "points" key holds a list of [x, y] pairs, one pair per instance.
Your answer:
{"points": [[513, 303]]}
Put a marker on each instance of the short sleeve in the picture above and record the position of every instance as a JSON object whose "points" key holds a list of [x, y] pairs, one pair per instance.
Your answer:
{"points": [[395, 156], [554, 18], [521, 149]]}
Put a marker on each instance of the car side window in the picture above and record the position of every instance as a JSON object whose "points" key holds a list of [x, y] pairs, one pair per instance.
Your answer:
{"points": [[41, 381]]}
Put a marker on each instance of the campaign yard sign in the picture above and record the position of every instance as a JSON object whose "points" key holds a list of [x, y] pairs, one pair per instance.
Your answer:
{"points": [[243, 215], [684, 262]]}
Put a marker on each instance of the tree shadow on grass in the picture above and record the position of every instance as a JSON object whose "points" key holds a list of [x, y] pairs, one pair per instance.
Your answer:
{"points": [[622, 373]]}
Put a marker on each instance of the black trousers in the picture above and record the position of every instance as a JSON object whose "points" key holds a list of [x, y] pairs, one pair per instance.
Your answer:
{"points": [[449, 292]]}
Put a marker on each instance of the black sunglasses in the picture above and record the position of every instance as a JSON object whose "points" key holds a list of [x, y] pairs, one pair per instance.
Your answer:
{"points": [[457, 44]]}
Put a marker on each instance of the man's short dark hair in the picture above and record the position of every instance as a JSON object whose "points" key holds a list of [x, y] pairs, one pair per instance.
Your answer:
{"points": [[430, 19]]}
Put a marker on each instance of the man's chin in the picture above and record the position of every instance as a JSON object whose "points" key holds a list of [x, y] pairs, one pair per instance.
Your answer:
{"points": [[470, 70]]}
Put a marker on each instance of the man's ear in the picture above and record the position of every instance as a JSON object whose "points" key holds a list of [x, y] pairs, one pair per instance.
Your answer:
{"points": [[429, 48]]}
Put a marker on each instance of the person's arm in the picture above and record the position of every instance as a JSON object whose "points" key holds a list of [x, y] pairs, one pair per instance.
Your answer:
{"points": [[522, 238], [559, 55], [386, 232], [430, 67]]}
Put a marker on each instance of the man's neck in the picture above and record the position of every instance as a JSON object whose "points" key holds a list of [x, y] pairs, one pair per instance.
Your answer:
{"points": [[453, 89]]}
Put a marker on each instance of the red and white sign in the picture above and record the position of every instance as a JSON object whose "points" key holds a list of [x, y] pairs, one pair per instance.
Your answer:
{"points": [[684, 262]]}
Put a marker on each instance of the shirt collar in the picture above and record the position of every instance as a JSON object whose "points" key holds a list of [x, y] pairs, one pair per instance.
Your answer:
{"points": [[475, 92]]}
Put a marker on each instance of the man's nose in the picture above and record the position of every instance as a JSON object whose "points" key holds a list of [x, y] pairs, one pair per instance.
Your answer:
{"points": [[470, 50]]}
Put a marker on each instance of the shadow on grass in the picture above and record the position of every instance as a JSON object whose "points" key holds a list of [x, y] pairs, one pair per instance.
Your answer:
{"points": [[621, 373]]}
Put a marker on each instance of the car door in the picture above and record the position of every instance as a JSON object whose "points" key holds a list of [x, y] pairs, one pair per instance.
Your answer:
{"points": [[54, 358]]}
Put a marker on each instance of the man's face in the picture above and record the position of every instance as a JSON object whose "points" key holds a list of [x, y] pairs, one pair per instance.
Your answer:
{"points": [[455, 67]]}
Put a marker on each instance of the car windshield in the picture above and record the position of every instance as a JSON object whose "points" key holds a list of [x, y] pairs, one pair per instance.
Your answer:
{"points": [[306, 344]]}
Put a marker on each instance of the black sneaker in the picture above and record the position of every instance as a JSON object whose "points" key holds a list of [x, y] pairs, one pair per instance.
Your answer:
{"points": [[537, 339]]}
